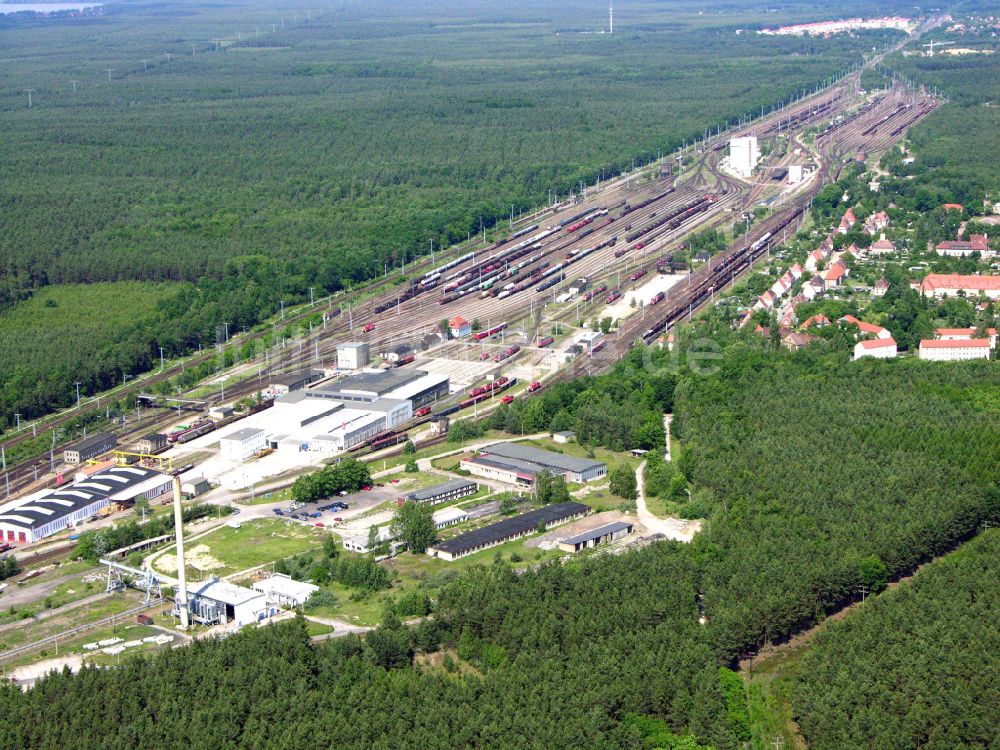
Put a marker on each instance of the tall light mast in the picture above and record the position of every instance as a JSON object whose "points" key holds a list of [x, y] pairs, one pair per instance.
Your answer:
{"points": [[611, 18]]}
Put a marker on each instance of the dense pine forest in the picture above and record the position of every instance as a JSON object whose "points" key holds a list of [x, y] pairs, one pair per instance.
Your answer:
{"points": [[957, 157], [822, 475], [314, 151], [916, 667]]}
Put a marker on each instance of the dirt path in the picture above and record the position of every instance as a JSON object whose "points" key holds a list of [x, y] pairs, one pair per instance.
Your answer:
{"points": [[797, 641], [672, 528]]}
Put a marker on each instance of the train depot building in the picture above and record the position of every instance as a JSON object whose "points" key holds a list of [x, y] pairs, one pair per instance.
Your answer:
{"points": [[42, 514], [318, 420]]}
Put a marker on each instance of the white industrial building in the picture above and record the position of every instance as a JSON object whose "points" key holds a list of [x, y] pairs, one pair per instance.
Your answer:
{"points": [[42, 514], [243, 443], [355, 427], [744, 153], [359, 544], [216, 602], [939, 350], [284, 590], [396, 410], [352, 355], [794, 174], [418, 386]]}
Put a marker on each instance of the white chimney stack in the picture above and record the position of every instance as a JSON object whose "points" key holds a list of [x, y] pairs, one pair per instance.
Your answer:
{"points": [[182, 598]]}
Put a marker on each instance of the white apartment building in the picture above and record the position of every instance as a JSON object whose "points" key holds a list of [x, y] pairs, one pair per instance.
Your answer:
{"points": [[939, 350]]}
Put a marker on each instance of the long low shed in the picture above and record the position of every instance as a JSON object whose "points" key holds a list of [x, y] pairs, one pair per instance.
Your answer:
{"points": [[507, 530], [609, 532]]}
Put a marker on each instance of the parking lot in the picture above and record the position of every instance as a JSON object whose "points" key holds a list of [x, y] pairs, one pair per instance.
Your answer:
{"points": [[329, 512]]}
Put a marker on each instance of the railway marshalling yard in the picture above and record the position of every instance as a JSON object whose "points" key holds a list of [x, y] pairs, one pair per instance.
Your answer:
{"points": [[647, 214]]}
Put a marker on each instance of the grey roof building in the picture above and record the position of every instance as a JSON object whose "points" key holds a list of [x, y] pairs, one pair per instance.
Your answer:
{"points": [[85, 449], [442, 493], [507, 530], [575, 469], [609, 532]]}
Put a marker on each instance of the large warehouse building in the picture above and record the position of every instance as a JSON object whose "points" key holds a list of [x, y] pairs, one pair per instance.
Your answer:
{"points": [[88, 448], [507, 530], [514, 463], [417, 386], [48, 512]]}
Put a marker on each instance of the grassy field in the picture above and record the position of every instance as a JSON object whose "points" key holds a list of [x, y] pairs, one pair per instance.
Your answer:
{"points": [[227, 550], [422, 573], [34, 631]]}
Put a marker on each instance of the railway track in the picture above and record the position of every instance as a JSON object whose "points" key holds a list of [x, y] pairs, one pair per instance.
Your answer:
{"points": [[408, 321]]}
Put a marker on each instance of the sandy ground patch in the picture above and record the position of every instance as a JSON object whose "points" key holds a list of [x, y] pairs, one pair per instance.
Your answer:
{"points": [[198, 557]]}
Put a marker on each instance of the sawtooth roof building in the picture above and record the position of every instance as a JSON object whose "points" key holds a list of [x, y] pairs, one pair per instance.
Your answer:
{"points": [[48, 512]]}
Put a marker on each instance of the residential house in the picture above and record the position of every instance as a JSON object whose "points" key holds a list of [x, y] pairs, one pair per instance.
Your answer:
{"points": [[880, 288], [819, 321], [793, 340], [882, 247], [814, 287], [878, 348], [867, 328], [847, 222], [876, 222], [834, 276]]}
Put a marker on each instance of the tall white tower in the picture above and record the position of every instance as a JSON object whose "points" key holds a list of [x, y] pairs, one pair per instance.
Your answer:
{"points": [[611, 19], [181, 597]]}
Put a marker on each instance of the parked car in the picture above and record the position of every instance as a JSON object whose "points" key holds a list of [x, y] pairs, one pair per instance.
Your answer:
{"points": [[321, 524]]}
